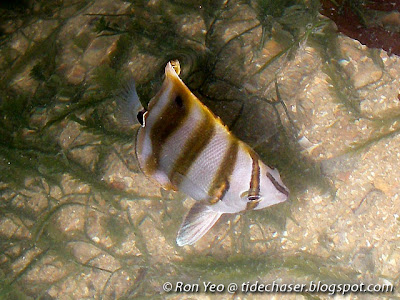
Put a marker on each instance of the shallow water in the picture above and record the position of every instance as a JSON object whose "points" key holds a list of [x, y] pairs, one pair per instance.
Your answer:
{"points": [[78, 218]]}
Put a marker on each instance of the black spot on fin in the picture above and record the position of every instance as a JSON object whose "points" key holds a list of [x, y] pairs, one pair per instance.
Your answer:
{"points": [[179, 101], [141, 116]]}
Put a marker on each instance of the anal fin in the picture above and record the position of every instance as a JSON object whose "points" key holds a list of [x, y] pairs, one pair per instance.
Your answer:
{"points": [[197, 223]]}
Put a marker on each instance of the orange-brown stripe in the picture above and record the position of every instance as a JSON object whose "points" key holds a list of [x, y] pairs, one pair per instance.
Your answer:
{"points": [[254, 190], [170, 119], [195, 144], [251, 205], [220, 184]]}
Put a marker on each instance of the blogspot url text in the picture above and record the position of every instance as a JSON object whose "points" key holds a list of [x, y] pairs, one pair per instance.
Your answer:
{"points": [[274, 287]]}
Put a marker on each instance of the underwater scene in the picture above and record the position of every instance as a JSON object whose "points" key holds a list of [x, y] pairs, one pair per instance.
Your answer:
{"points": [[105, 194]]}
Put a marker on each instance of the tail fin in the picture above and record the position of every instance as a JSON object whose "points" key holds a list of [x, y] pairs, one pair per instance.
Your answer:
{"points": [[128, 104], [197, 223]]}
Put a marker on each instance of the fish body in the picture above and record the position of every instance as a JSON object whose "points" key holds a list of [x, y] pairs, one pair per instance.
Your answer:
{"points": [[183, 146]]}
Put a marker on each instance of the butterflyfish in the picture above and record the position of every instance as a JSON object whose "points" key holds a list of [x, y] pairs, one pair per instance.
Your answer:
{"points": [[183, 146]]}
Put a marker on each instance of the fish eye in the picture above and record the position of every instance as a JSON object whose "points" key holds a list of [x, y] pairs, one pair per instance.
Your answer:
{"points": [[253, 198]]}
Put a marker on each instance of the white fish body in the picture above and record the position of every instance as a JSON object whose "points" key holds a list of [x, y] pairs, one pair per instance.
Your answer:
{"points": [[184, 146]]}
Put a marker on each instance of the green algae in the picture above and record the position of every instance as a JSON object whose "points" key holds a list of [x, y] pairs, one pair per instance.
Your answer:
{"points": [[236, 267]]}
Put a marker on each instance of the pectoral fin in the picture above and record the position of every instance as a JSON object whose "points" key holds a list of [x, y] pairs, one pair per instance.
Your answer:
{"points": [[197, 222]]}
